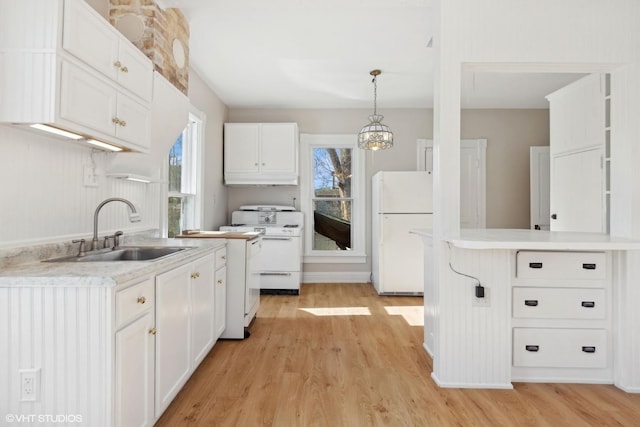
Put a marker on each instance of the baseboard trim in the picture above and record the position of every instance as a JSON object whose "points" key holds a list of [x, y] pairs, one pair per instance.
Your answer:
{"points": [[336, 277], [507, 386]]}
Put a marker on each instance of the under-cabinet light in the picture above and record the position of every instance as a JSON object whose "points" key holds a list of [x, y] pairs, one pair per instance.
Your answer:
{"points": [[56, 131], [131, 177], [103, 145]]}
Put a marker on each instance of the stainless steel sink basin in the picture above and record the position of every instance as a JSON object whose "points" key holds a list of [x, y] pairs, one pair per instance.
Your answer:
{"points": [[124, 253]]}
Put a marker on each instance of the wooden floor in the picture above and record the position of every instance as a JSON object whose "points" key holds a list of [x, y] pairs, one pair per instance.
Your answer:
{"points": [[322, 367]]}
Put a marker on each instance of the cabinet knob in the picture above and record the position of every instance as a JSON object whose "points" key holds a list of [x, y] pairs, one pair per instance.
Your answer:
{"points": [[554, 216], [263, 164], [153, 331], [220, 282], [115, 121], [122, 123], [255, 164], [142, 300], [195, 275], [117, 64], [124, 69], [223, 257]]}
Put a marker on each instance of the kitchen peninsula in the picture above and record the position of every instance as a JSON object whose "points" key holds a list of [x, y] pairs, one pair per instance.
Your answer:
{"points": [[549, 308]]}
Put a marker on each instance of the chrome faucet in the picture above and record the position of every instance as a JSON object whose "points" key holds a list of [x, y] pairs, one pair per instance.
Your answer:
{"points": [[134, 216]]}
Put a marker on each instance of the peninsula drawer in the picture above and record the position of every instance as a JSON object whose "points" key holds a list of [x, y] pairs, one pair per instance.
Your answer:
{"points": [[559, 303], [559, 348], [221, 257], [561, 265], [132, 301]]}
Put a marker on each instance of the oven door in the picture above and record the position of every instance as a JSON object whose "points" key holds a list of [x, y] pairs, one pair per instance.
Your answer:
{"points": [[280, 254]]}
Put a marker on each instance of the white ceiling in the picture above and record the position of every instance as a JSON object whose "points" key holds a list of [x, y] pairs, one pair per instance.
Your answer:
{"points": [[318, 54]]}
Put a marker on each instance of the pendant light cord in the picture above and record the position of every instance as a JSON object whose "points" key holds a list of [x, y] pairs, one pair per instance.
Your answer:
{"points": [[375, 95]]}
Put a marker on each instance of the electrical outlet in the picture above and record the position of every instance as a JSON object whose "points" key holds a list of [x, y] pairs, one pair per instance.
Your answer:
{"points": [[90, 178], [29, 385], [481, 302]]}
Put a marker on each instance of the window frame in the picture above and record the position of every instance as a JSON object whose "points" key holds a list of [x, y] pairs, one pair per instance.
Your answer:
{"points": [[192, 172], [308, 142]]}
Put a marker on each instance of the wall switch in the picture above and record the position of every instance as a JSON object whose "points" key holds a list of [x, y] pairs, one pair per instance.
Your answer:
{"points": [[481, 302], [29, 385], [90, 178]]}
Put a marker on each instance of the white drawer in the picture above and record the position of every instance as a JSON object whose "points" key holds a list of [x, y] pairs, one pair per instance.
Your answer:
{"points": [[561, 265], [559, 303], [132, 301], [221, 257], [280, 280], [559, 348]]}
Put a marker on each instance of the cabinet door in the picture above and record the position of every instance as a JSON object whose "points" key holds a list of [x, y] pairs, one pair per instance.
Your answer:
{"points": [[89, 37], [134, 125], [577, 189], [241, 147], [173, 336], [202, 308], [135, 71], [279, 148], [87, 100], [221, 301], [134, 373]]}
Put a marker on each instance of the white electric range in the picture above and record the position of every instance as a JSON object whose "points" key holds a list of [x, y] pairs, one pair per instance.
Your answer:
{"points": [[280, 261]]}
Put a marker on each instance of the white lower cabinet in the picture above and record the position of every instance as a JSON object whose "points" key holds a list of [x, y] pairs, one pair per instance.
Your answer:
{"points": [[185, 323], [561, 317], [221, 292]]}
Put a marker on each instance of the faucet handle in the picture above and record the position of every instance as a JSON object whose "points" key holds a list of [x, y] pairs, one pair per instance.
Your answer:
{"points": [[81, 251], [116, 239]]}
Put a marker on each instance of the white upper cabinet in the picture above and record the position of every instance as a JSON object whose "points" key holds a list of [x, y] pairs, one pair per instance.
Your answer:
{"points": [[67, 67], [261, 153]]}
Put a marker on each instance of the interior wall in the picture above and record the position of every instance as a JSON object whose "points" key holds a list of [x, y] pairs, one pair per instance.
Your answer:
{"points": [[216, 113], [44, 198], [509, 134]]}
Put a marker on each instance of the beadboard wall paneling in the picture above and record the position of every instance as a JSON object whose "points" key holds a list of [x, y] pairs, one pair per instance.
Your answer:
{"points": [[71, 369], [44, 198], [474, 341]]}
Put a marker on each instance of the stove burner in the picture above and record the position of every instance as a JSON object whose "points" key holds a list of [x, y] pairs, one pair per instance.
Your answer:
{"points": [[290, 226]]}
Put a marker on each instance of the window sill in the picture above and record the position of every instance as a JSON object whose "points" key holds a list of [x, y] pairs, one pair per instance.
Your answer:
{"points": [[335, 259]]}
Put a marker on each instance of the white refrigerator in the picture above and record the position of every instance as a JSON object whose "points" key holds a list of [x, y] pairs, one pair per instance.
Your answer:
{"points": [[401, 201]]}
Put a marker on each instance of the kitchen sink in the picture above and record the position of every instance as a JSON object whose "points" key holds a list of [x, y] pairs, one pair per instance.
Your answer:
{"points": [[124, 253]]}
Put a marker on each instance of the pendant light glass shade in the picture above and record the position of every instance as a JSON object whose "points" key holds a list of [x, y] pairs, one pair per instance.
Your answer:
{"points": [[375, 136]]}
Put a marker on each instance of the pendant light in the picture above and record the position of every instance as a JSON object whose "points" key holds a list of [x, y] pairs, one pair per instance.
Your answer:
{"points": [[375, 136]]}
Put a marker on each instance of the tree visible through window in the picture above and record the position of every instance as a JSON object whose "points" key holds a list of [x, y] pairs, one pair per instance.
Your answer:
{"points": [[332, 199]]}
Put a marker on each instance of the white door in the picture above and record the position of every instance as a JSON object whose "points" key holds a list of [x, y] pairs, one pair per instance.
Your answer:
{"points": [[221, 301], [577, 192], [202, 308], [279, 148], [241, 141], [473, 167], [539, 170]]}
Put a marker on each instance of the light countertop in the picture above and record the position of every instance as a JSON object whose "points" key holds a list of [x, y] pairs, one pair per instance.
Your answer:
{"points": [[496, 238], [109, 273]]}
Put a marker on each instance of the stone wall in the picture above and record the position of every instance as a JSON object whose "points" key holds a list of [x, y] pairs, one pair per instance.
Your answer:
{"points": [[163, 35]]}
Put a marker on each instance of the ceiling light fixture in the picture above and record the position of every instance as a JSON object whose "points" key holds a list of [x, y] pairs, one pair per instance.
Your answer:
{"points": [[375, 136]]}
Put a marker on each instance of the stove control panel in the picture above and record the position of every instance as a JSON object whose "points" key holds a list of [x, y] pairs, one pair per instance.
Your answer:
{"points": [[267, 218]]}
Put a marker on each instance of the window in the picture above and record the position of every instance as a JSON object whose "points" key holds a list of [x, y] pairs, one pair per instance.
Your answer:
{"points": [[332, 188], [184, 205]]}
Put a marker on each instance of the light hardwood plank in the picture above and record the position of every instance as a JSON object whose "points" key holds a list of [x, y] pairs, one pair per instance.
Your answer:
{"points": [[302, 369]]}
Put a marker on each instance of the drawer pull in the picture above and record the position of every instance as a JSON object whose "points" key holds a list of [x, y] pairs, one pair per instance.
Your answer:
{"points": [[588, 304], [534, 348], [223, 257], [195, 275], [535, 265], [589, 266], [220, 282], [531, 302], [588, 349], [153, 331], [142, 300]]}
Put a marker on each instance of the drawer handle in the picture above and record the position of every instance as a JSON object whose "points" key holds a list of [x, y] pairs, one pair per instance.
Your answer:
{"points": [[153, 331], [589, 266], [142, 300], [588, 349], [535, 265], [533, 348], [588, 304], [531, 302], [195, 275]]}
